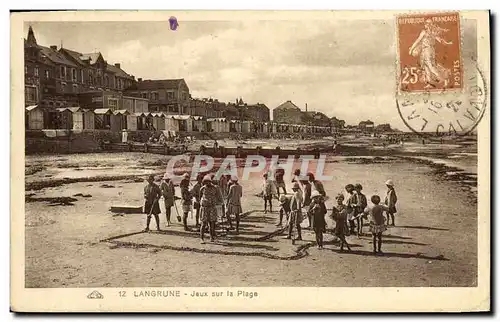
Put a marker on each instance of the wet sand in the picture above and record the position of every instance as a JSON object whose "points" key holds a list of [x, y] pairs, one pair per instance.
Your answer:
{"points": [[433, 244]]}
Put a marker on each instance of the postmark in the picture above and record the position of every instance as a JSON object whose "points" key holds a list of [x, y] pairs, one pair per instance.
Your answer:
{"points": [[429, 52], [431, 113]]}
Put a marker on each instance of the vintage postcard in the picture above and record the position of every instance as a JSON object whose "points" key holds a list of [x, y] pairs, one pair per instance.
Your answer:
{"points": [[185, 161]]}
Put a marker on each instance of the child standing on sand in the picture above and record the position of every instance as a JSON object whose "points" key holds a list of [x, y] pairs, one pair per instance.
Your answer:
{"points": [[360, 208], [268, 190], [377, 226], [390, 201], [339, 215], [317, 211], [351, 204]]}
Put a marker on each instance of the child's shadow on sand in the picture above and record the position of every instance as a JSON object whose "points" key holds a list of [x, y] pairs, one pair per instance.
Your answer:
{"points": [[421, 227], [400, 255]]}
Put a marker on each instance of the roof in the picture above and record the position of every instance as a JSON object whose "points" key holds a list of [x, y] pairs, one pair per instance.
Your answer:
{"points": [[31, 107], [75, 55], [56, 56], [71, 109], [121, 112], [197, 117], [93, 57], [149, 84], [287, 105], [118, 71], [219, 119], [102, 111], [140, 114], [179, 117]]}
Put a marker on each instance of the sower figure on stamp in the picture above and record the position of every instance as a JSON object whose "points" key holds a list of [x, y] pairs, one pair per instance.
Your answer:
{"points": [[425, 47], [295, 212], [168, 192], [152, 195], [234, 203], [390, 201], [209, 198]]}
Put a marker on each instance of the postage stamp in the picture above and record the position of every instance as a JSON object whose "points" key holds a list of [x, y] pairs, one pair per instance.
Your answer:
{"points": [[429, 52]]}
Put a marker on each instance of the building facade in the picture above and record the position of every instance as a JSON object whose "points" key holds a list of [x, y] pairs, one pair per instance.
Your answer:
{"points": [[169, 95], [54, 78], [287, 113]]}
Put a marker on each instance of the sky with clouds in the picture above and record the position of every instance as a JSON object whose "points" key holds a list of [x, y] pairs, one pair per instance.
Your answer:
{"points": [[341, 68]]}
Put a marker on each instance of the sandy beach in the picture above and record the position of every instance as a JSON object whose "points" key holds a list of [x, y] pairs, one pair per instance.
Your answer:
{"points": [[429, 246]]}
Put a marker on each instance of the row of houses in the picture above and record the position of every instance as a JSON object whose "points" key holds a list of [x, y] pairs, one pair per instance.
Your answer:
{"points": [[77, 119]]}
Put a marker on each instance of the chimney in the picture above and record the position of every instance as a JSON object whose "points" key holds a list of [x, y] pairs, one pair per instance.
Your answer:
{"points": [[139, 79], [306, 107], [53, 47], [117, 65]]}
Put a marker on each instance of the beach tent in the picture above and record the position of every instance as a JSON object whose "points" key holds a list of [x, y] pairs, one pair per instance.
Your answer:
{"points": [[158, 121], [118, 121], [136, 121], [71, 118], [88, 119], [246, 126], [34, 118], [218, 124], [171, 124], [235, 126], [199, 124], [102, 118], [185, 122]]}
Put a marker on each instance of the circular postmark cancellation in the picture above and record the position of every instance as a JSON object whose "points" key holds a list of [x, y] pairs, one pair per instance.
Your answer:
{"points": [[455, 112]]}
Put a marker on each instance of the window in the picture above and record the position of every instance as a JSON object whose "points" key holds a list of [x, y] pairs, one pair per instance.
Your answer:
{"points": [[47, 74], [155, 96], [184, 96], [170, 95], [112, 103], [73, 72], [75, 88], [36, 71], [144, 95], [81, 75], [63, 71], [106, 81], [116, 82], [63, 86], [30, 94]]}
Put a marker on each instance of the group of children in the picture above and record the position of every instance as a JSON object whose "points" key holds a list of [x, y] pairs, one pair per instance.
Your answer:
{"points": [[209, 199], [348, 215]]}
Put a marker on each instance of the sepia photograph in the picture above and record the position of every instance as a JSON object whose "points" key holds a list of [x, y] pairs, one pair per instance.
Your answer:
{"points": [[218, 156]]}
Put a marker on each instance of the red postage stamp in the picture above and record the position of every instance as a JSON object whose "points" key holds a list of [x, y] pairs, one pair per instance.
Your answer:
{"points": [[429, 52]]}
